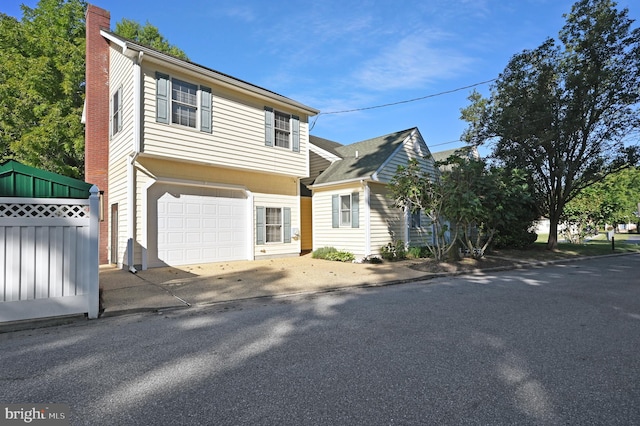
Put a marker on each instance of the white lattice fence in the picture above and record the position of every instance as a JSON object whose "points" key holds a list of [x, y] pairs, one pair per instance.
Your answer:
{"points": [[48, 257]]}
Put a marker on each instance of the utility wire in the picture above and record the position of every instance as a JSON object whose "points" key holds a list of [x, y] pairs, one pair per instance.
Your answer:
{"points": [[401, 102]]}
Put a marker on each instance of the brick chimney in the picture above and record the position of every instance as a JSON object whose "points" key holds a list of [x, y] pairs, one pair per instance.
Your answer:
{"points": [[96, 139]]}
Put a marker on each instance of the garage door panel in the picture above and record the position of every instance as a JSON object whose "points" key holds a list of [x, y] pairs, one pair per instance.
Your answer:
{"points": [[197, 225], [210, 209], [193, 223], [210, 237], [174, 237], [175, 208], [175, 222], [209, 223]]}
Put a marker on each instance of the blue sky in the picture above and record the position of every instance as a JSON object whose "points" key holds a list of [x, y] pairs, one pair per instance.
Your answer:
{"points": [[344, 55]]}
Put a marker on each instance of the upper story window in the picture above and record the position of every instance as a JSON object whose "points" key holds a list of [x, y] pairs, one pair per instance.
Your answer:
{"points": [[282, 132], [281, 129], [116, 112], [183, 103]]}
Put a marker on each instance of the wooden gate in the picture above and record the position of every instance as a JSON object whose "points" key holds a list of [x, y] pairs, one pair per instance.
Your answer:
{"points": [[48, 257]]}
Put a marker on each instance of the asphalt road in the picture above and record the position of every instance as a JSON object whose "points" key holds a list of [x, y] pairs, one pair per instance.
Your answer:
{"points": [[553, 345]]}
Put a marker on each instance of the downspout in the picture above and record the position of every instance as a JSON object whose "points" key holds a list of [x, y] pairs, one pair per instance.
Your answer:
{"points": [[367, 218], [131, 181]]}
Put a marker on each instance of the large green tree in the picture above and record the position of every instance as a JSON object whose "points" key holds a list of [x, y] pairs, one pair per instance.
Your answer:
{"points": [[42, 78], [612, 201], [562, 111], [148, 35], [42, 86]]}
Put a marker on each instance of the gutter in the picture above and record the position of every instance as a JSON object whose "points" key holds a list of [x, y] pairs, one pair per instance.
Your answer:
{"points": [[137, 140], [343, 182], [129, 48]]}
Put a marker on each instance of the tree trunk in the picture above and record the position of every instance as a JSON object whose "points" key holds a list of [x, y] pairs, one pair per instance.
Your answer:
{"points": [[552, 242]]}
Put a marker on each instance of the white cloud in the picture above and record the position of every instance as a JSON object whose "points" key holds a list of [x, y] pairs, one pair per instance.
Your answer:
{"points": [[412, 62], [243, 13]]}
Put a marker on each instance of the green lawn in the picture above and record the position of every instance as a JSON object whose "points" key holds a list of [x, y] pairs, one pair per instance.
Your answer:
{"points": [[595, 247]]}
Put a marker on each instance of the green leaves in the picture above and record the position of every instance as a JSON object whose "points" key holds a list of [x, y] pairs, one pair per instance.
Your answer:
{"points": [[562, 111], [42, 83], [147, 35], [42, 86]]}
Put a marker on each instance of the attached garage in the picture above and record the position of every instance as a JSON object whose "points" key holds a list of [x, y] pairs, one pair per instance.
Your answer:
{"points": [[197, 225]]}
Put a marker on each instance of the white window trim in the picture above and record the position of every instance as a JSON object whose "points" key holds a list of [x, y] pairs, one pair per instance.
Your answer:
{"points": [[197, 105], [113, 130], [267, 225], [289, 146], [341, 210]]}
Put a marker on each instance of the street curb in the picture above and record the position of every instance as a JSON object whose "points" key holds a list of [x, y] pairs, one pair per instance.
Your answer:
{"points": [[26, 325]]}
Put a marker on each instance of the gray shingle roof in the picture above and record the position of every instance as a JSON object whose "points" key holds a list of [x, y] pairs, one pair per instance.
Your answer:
{"points": [[371, 154], [325, 144]]}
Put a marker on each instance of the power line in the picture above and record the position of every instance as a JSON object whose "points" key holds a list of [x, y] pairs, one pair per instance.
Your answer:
{"points": [[446, 92]]}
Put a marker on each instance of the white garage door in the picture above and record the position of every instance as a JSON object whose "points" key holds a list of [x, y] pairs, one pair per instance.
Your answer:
{"points": [[198, 225]]}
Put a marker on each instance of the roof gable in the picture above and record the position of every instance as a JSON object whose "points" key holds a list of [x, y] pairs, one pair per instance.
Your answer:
{"points": [[361, 160]]}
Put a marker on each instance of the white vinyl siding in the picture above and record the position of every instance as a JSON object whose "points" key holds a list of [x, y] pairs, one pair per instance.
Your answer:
{"points": [[238, 138], [342, 238], [387, 221], [289, 244], [120, 146], [410, 149], [423, 234]]}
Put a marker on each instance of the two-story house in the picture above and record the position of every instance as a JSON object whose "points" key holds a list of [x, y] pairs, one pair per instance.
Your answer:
{"points": [[196, 166]]}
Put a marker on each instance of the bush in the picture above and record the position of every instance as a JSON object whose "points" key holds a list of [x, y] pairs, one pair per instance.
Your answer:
{"points": [[323, 252], [331, 253], [340, 256], [393, 251], [517, 240], [418, 252]]}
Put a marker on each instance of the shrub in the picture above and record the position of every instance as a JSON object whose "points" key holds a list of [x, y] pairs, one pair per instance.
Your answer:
{"points": [[517, 240], [323, 252], [331, 253], [393, 251], [340, 256], [418, 252]]}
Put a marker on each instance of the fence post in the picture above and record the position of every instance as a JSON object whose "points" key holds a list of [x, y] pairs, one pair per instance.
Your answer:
{"points": [[94, 278]]}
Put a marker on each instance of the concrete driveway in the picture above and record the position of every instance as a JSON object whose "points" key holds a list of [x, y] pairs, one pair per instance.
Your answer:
{"points": [[172, 287], [206, 284]]}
